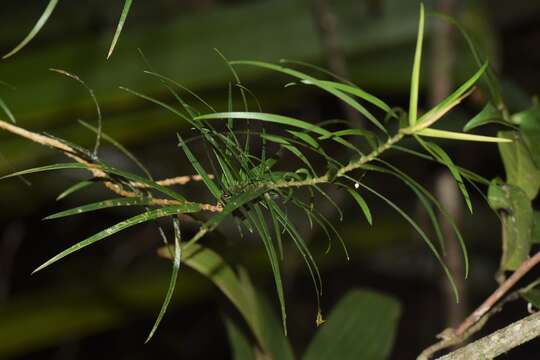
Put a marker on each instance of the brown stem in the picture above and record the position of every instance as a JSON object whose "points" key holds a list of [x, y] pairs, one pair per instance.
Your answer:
{"points": [[98, 173], [523, 269]]}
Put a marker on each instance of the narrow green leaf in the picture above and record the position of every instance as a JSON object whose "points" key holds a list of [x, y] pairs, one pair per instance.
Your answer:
{"points": [[257, 220], [120, 26], [138, 219], [422, 235], [199, 169], [440, 154], [362, 203], [450, 102], [308, 139], [120, 147], [94, 99], [415, 76], [106, 169], [488, 115], [74, 188], [101, 205], [277, 119], [337, 93], [8, 112], [174, 276], [37, 27], [443, 134], [354, 90]]}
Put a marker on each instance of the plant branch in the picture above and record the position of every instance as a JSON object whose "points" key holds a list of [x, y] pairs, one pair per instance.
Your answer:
{"points": [[477, 319], [500, 341], [98, 173], [353, 165], [523, 269]]}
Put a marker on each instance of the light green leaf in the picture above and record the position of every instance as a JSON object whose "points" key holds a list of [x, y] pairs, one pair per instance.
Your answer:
{"points": [[339, 94], [74, 188], [415, 76], [444, 158], [449, 103], [120, 26], [277, 119], [435, 133], [362, 203], [362, 325], [488, 115], [518, 164], [354, 90], [211, 185], [37, 27]]}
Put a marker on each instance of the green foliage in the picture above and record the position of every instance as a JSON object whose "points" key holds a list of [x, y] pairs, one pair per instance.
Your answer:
{"points": [[517, 222], [257, 189], [45, 17], [362, 325]]}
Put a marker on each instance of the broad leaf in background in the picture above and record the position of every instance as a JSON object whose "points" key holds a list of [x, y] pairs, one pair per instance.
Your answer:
{"points": [[256, 311], [535, 236], [529, 123], [361, 326], [517, 222], [518, 165]]}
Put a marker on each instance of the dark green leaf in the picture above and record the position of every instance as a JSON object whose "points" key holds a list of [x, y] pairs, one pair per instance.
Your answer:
{"points": [[529, 123], [362, 325], [517, 222]]}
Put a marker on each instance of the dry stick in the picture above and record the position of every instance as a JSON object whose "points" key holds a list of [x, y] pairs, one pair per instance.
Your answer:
{"points": [[523, 269], [96, 172], [500, 341], [476, 320]]}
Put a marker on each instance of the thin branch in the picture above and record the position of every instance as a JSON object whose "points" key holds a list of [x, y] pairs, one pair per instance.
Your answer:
{"points": [[98, 173], [523, 269], [500, 341], [475, 321]]}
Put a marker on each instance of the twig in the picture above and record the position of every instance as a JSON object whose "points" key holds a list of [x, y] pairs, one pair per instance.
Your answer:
{"points": [[98, 173], [475, 321], [500, 341], [523, 269]]}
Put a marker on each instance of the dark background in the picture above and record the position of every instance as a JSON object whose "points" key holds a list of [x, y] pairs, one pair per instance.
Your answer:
{"points": [[101, 303]]}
